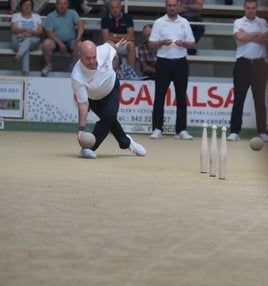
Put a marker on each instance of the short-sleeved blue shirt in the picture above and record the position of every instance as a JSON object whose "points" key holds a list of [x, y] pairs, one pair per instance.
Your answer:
{"points": [[64, 26], [117, 27]]}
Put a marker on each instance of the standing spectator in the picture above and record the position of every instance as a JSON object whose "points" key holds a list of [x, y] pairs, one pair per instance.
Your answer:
{"points": [[96, 85], [251, 34], [26, 28], [147, 56], [116, 25], [171, 36], [191, 10], [64, 31]]}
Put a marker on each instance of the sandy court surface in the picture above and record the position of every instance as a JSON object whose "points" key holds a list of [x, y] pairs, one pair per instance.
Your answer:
{"points": [[123, 220]]}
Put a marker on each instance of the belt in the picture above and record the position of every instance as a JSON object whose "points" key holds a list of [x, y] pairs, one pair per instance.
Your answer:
{"points": [[252, 61], [172, 60]]}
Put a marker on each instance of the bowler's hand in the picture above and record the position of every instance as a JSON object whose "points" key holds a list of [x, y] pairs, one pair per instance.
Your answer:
{"points": [[79, 134]]}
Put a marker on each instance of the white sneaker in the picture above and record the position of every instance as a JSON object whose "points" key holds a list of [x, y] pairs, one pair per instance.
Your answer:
{"points": [[45, 71], [184, 135], [88, 153], [136, 148], [264, 137], [157, 134], [233, 137]]}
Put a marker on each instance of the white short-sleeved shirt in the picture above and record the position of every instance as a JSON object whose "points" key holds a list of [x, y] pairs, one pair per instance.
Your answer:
{"points": [[26, 23], [95, 84], [250, 50], [179, 29]]}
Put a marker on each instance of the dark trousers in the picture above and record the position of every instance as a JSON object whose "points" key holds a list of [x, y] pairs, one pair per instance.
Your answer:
{"points": [[106, 109], [168, 70], [248, 73]]}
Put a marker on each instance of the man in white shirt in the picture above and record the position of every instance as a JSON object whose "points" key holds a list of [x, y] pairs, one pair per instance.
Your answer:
{"points": [[251, 34], [171, 36], [96, 87]]}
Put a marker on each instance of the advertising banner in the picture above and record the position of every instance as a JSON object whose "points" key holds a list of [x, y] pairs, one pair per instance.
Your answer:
{"points": [[52, 100]]}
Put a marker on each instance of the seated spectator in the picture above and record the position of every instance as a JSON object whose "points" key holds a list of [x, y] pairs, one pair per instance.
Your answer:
{"points": [[191, 9], [64, 31], [26, 28], [147, 56], [117, 25]]}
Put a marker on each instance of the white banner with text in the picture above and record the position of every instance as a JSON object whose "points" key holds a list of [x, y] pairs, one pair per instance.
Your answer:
{"points": [[52, 100]]}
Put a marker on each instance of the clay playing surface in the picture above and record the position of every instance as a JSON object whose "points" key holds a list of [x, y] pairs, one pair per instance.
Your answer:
{"points": [[123, 220]]}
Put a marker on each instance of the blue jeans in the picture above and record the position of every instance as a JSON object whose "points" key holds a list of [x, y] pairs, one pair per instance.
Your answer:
{"points": [[23, 47]]}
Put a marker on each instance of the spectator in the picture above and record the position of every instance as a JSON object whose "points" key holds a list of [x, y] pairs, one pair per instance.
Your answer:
{"points": [[147, 56], [117, 25], [96, 85], [171, 36], [64, 31], [251, 34], [26, 28], [191, 9]]}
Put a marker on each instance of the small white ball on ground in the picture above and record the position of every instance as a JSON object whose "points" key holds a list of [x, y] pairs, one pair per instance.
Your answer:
{"points": [[87, 140], [256, 143]]}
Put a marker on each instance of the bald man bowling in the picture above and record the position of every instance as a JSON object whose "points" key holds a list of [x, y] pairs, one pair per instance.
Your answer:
{"points": [[96, 88]]}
